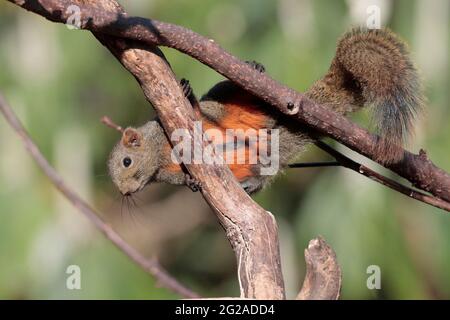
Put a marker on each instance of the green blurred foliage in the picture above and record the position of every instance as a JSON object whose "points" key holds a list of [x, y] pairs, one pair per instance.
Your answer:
{"points": [[59, 79]]}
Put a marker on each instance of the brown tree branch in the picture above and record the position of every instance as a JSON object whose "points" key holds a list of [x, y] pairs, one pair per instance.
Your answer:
{"points": [[251, 230], [348, 163], [109, 123], [151, 266], [323, 275], [98, 17]]}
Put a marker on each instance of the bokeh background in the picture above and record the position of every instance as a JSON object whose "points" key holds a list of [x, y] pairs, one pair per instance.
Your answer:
{"points": [[60, 82]]}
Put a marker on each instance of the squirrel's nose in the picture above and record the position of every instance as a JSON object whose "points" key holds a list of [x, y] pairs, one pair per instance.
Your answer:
{"points": [[124, 192]]}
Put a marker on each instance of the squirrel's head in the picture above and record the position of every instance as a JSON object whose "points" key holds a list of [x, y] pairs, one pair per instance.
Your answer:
{"points": [[134, 161]]}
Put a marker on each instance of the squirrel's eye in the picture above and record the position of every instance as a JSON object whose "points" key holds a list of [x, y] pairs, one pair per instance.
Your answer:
{"points": [[126, 162]]}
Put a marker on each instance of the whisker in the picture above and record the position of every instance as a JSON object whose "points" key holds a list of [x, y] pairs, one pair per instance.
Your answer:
{"points": [[139, 208], [121, 208], [130, 214], [138, 200]]}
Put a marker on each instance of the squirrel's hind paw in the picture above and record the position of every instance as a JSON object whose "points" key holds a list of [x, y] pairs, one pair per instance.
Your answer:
{"points": [[257, 66]]}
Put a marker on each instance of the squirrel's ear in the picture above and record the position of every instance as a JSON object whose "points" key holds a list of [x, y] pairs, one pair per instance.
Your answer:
{"points": [[131, 138]]}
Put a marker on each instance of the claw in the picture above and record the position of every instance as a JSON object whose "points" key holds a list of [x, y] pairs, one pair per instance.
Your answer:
{"points": [[186, 86], [257, 66], [193, 183]]}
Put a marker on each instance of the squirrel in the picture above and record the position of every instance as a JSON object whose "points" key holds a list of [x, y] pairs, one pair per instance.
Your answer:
{"points": [[371, 68]]}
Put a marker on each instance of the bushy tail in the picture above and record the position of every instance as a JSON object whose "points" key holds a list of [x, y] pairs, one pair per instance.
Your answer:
{"points": [[372, 67]]}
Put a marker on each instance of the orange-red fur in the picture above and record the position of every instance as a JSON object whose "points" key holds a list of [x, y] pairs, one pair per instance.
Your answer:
{"points": [[241, 113]]}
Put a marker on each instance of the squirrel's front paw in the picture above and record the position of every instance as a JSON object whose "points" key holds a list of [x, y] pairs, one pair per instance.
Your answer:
{"points": [[193, 183], [251, 185]]}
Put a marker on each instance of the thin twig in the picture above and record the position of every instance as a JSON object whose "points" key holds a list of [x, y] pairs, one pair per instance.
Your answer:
{"points": [[375, 176], [109, 123], [151, 266], [314, 164]]}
